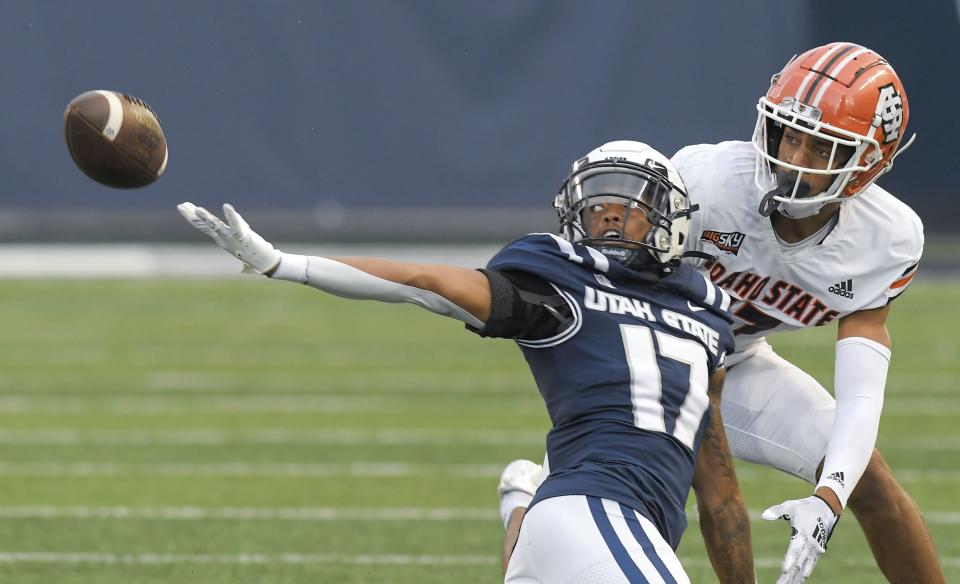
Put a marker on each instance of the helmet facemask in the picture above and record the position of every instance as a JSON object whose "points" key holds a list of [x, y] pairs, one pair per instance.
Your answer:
{"points": [[608, 204], [850, 155]]}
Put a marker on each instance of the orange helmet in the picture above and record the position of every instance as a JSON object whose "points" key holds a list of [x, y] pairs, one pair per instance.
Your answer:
{"points": [[845, 94]]}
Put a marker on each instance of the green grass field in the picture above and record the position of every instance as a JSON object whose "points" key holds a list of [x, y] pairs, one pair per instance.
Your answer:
{"points": [[249, 431]]}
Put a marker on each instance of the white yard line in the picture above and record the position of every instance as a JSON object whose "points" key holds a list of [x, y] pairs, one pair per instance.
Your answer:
{"points": [[284, 558], [408, 381], [906, 475], [343, 436], [242, 404], [921, 384], [92, 261], [931, 443], [249, 469], [399, 469], [252, 513], [160, 381], [337, 559], [937, 406], [312, 514], [272, 436], [927, 475]]}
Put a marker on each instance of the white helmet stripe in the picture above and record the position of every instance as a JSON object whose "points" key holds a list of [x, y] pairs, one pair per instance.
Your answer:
{"points": [[816, 68], [835, 74]]}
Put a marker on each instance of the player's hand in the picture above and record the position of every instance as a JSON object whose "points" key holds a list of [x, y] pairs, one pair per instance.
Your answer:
{"points": [[524, 476], [811, 524], [235, 236]]}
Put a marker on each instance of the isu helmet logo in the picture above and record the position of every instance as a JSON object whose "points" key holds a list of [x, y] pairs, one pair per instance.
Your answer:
{"points": [[890, 109]]}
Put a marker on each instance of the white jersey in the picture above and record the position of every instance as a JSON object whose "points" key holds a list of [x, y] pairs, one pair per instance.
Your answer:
{"points": [[865, 261]]}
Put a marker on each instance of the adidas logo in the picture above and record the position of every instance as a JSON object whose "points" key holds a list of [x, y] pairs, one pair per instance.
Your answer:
{"points": [[844, 289], [820, 534], [838, 477]]}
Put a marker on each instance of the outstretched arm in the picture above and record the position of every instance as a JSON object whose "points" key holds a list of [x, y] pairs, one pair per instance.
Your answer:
{"points": [[452, 291], [724, 521]]}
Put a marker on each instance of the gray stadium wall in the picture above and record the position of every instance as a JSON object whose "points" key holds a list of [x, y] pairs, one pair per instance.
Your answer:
{"points": [[415, 119]]}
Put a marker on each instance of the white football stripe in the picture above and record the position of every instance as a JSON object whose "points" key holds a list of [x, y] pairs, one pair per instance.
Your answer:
{"points": [[115, 119], [163, 166]]}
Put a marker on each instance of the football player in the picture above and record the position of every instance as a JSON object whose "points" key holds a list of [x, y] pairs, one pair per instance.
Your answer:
{"points": [[803, 237], [627, 347]]}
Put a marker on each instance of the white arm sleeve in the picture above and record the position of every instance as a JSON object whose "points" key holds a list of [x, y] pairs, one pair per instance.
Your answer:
{"points": [[346, 281], [859, 380]]}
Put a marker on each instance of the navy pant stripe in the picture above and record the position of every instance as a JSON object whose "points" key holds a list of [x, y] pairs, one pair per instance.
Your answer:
{"points": [[641, 536], [629, 568]]}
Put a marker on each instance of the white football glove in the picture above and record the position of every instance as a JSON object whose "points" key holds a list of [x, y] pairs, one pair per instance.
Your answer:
{"points": [[811, 525], [518, 484], [235, 236], [524, 476]]}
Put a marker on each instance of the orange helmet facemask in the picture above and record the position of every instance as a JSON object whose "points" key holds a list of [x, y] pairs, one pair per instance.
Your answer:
{"points": [[841, 93]]}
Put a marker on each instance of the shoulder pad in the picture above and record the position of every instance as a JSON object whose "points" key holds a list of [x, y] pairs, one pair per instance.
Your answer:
{"points": [[534, 248], [696, 287]]}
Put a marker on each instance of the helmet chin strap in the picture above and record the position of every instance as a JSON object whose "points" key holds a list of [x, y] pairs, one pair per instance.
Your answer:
{"points": [[768, 204], [699, 255], [795, 211], [633, 258]]}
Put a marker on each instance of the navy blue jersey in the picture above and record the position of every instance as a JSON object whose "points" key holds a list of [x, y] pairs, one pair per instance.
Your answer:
{"points": [[625, 384]]}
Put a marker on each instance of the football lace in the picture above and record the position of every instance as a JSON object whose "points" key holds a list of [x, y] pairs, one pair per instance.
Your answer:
{"points": [[136, 100]]}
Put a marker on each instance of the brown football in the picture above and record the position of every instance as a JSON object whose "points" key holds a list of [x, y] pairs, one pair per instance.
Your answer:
{"points": [[115, 139]]}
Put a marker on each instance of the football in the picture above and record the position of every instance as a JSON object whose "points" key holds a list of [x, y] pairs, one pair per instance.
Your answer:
{"points": [[115, 139]]}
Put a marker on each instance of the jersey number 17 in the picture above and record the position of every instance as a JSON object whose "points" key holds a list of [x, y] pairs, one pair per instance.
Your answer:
{"points": [[650, 402]]}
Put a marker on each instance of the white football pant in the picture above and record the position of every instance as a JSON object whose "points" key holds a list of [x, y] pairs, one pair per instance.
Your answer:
{"points": [[775, 414], [577, 539]]}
